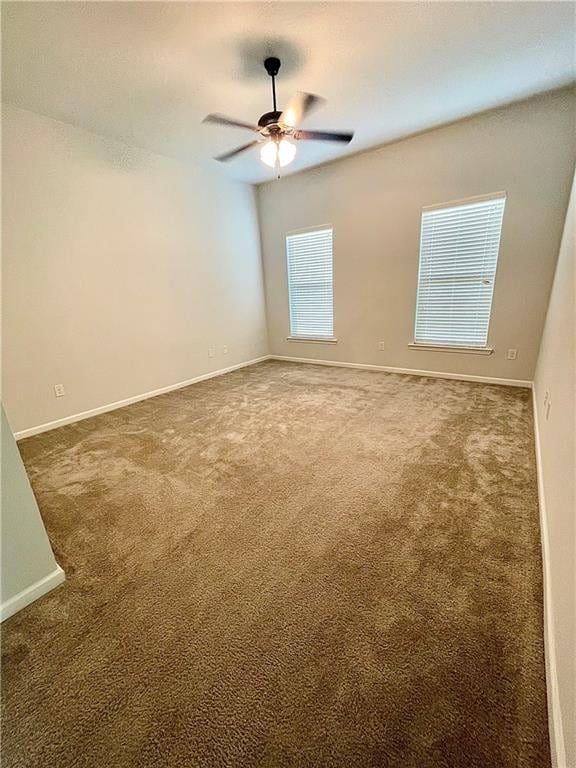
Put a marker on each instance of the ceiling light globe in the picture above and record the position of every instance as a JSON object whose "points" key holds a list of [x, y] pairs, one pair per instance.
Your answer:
{"points": [[286, 152], [269, 153]]}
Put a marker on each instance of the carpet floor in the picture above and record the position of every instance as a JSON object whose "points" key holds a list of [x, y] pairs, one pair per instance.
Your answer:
{"points": [[289, 565]]}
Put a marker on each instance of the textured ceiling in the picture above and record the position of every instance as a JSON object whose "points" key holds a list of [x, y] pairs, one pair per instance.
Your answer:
{"points": [[147, 73]]}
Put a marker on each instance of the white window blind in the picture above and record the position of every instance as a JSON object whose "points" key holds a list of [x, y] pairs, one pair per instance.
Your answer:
{"points": [[458, 257], [309, 256]]}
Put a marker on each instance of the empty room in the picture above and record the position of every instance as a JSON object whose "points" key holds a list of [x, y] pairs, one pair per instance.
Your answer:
{"points": [[288, 385]]}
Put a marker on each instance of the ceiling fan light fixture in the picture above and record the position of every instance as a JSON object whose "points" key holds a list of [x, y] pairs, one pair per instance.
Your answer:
{"points": [[275, 153]]}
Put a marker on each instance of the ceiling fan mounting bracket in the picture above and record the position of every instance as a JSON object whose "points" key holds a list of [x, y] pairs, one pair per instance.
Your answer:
{"points": [[272, 65]]}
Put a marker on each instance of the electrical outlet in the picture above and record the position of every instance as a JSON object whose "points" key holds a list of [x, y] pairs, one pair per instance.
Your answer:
{"points": [[59, 390], [512, 354], [225, 349], [548, 406], [381, 346], [211, 351], [546, 398]]}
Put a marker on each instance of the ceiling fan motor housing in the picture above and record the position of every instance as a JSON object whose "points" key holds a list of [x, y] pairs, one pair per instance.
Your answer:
{"points": [[269, 118]]}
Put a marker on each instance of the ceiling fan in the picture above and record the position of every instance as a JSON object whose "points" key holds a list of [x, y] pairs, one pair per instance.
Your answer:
{"points": [[278, 130]]}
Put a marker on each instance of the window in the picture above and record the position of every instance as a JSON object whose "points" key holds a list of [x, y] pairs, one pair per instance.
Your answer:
{"points": [[309, 256], [458, 256]]}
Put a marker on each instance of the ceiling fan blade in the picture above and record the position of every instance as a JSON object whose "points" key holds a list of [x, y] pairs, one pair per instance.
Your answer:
{"points": [[229, 155], [223, 120], [344, 137], [299, 106]]}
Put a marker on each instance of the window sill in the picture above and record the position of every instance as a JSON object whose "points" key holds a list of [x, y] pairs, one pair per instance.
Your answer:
{"points": [[445, 348], [312, 339]]}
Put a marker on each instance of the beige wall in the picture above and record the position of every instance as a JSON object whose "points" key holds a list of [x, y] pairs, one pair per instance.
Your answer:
{"points": [[373, 201], [120, 270], [555, 381], [28, 566]]}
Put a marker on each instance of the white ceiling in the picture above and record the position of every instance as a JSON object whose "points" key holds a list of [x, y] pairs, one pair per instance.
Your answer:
{"points": [[147, 73]]}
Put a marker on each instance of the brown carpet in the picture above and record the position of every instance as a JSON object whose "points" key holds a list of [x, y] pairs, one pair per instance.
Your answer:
{"points": [[288, 565]]}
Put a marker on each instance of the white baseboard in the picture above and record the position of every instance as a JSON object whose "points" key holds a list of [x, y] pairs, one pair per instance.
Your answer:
{"points": [[554, 709], [129, 400], [31, 593], [408, 371]]}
